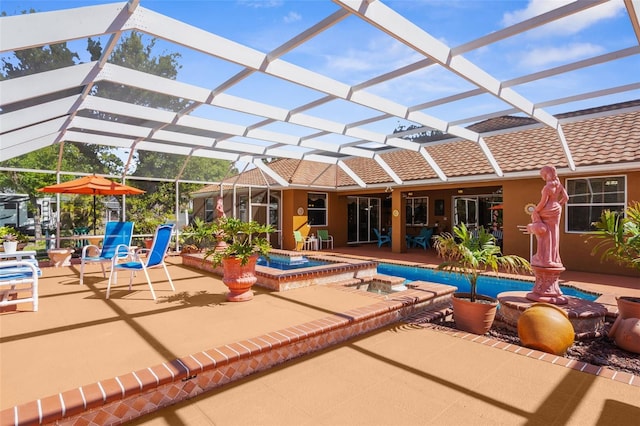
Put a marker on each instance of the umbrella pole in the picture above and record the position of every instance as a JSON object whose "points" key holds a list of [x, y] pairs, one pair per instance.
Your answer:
{"points": [[94, 214]]}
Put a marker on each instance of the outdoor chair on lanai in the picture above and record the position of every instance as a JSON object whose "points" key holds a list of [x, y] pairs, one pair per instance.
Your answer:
{"points": [[382, 239], [153, 258], [325, 238], [301, 241], [116, 234], [423, 239], [497, 233]]}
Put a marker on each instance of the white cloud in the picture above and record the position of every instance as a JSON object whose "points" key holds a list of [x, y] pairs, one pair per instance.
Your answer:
{"points": [[380, 55], [544, 56], [292, 17], [569, 25], [260, 4]]}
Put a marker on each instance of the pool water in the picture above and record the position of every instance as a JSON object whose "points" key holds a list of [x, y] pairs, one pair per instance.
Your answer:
{"points": [[489, 286], [286, 263]]}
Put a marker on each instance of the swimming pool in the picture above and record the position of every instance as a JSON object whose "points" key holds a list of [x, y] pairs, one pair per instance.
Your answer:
{"points": [[489, 286]]}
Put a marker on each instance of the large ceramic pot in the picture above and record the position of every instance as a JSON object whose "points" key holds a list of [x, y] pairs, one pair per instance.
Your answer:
{"points": [[625, 331], [628, 307], [148, 243], [239, 278], [475, 317], [546, 327]]}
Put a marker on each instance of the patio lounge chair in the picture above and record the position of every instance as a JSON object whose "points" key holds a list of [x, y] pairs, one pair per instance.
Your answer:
{"points": [[423, 239], [19, 283], [153, 258], [115, 234], [325, 238], [382, 239]]}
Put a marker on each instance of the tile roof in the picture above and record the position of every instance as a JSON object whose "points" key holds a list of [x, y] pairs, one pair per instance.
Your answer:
{"points": [[611, 139], [593, 137]]}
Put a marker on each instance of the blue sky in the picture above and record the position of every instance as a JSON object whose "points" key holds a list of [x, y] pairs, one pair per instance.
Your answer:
{"points": [[353, 52]]}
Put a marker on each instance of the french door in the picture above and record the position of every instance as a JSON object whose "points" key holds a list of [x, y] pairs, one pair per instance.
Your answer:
{"points": [[465, 210], [363, 214]]}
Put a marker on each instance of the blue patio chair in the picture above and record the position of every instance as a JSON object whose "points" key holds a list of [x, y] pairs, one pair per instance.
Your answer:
{"points": [[497, 233], [115, 234], [423, 239], [153, 258], [382, 239]]}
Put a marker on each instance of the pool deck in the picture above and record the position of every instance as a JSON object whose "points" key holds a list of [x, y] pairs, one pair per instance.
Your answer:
{"points": [[401, 373]]}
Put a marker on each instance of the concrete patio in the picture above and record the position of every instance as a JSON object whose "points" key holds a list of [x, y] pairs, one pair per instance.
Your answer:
{"points": [[401, 373]]}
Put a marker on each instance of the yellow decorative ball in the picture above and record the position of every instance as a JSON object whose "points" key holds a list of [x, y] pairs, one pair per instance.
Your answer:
{"points": [[547, 328]]}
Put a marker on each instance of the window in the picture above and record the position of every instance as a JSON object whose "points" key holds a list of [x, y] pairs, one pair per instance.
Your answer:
{"points": [[588, 197], [417, 211], [209, 209], [317, 208]]}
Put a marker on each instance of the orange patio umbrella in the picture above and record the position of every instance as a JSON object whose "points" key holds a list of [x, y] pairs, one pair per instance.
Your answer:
{"points": [[92, 185]]}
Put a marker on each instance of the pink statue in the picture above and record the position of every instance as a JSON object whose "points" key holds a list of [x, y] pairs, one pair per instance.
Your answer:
{"points": [[220, 208], [546, 220]]}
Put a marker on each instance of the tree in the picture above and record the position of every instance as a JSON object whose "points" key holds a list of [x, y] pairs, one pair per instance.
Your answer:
{"points": [[133, 51], [423, 135], [75, 157], [136, 53], [37, 59]]}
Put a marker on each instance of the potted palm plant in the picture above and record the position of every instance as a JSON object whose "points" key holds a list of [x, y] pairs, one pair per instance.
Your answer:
{"points": [[244, 243], [619, 240], [470, 255]]}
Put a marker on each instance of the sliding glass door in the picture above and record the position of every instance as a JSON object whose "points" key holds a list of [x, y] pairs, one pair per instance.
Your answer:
{"points": [[363, 214]]}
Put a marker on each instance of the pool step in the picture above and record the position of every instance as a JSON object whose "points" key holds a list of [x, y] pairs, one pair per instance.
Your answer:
{"points": [[387, 283], [380, 283]]}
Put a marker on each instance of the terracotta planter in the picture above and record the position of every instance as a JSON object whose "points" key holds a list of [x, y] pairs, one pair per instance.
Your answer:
{"points": [[546, 327], [625, 331], [474, 317], [628, 307], [239, 278], [148, 243]]}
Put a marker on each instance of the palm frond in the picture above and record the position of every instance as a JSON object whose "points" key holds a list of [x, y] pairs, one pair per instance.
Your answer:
{"points": [[470, 255], [618, 236]]}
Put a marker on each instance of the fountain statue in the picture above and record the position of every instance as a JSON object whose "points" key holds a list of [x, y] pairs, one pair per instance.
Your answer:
{"points": [[545, 225], [537, 329], [220, 208]]}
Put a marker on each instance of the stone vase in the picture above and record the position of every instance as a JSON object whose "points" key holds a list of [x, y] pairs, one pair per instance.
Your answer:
{"points": [[60, 257], [546, 327], [239, 278]]}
